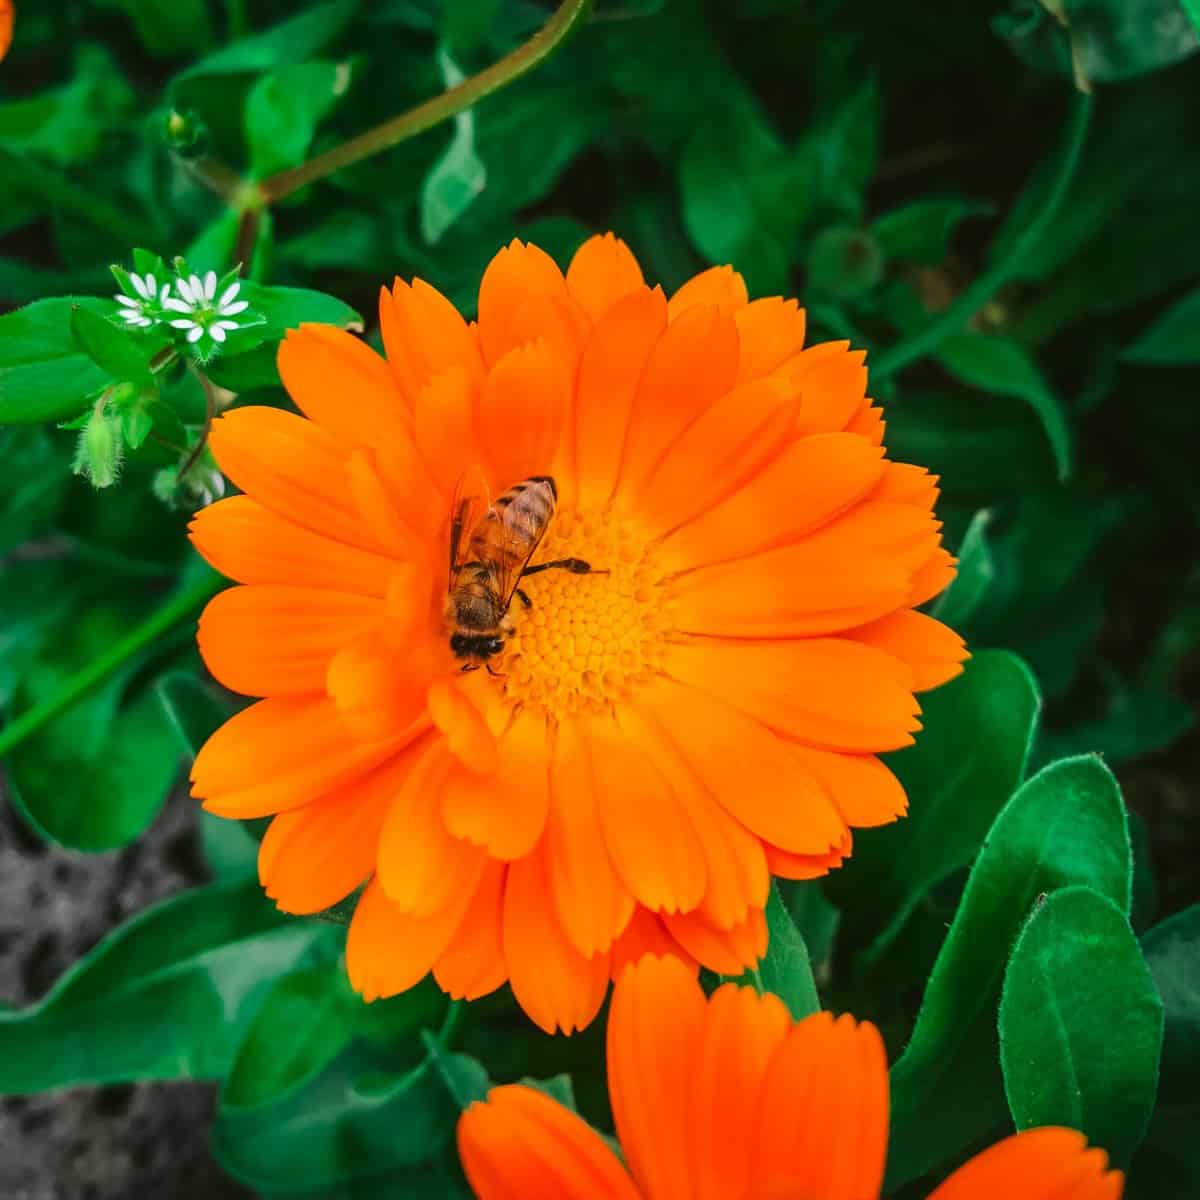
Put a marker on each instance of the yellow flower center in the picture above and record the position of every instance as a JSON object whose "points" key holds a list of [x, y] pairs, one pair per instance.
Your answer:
{"points": [[588, 639]]}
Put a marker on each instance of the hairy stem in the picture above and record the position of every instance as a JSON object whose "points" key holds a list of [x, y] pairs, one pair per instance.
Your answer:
{"points": [[176, 610], [972, 298], [391, 133]]}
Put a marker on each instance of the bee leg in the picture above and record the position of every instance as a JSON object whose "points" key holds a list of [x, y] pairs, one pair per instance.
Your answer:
{"points": [[469, 667], [525, 600], [493, 673], [577, 566]]}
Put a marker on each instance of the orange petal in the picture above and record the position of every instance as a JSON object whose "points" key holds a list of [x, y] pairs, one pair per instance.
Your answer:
{"points": [[735, 867], [422, 868], [654, 848], [505, 812], [726, 446], [811, 482], [277, 641], [342, 384], [602, 272], [281, 753], [592, 903], [906, 484], [831, 380], [467, 733], [933, 651], [312, 857], [379, 690], [865, 792], [424, 334], [751, 772], [868, 422], [741, 1032], [556, 985], [824, 692], [654, 1029], [247, 542], [770, 332], [388, 952], [692, 365], [718, 287], [823, 1113], [521, 1145], [610, 370], [521, 413], [807, 866], [400, 521], [726, 951], [446, 426], [473, 964], [646, 934], [934, 575], [518, 274], [1048, 1163]]}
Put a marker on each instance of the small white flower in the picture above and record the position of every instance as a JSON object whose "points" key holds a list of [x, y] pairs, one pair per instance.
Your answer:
{"points": [[205, 313], [134, 311]]}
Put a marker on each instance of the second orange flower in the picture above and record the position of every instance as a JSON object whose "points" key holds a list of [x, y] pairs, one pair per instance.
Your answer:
{"points": [[652, 738]]}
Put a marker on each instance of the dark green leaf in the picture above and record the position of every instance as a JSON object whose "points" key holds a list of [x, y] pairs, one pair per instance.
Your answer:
{"points": [[1173, 340], [458, 176], [168, 27], [467, 21], [112, 348], [286, 308], [1076, 975], [1172, 950], [166, 996], [284, 109], [840, 152], [194, 709], [785, 969], [920, 231], [44, 376], [999, 365], [1065, 826], [976, 571]]}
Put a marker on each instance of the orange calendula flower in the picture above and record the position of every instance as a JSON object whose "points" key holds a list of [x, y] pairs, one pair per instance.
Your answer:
{"points": [[685, 695], [726, 1098], [7, 17]]}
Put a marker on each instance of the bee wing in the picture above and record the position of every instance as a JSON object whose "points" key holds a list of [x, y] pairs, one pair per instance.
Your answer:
{"points": [[472, 501], [522, 533]]}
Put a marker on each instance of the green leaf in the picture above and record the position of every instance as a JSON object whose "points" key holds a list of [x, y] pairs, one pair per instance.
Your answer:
{"points": [[1173, 340], [284, 109], [1065, 826], [840, 151], [1075, 976], [168, 27], [194, 709], [467, 21], [745, 196], [785, 969], [287, 308], [976, 572], [1172, 950], [920, 231], [44, 376], [97, 774], [204, 958], [1000, 366], [958, 776], [458, 175], [112, 348]]}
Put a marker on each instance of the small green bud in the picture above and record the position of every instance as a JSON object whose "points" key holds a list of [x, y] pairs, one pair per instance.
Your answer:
{"points": [[99, 451], [186, 133], [844, 262]]}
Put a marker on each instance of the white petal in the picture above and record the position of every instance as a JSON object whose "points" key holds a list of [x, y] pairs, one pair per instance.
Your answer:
{"points": [[229, 293], [184, 323], [127, 302], [130, 314], [145, 321], [177, 305], [230, 325], [216, 332], [166, 291], [210, 285], [182, 287], [139, 286], [230, 310], [196, 287], [151, 287], [196, 334]]}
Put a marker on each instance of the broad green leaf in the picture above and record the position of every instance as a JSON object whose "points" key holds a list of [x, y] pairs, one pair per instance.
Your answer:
{"points": [[165, 996], [1065, 826], [112, 348], [194, 709], [958, 776], [1172, 950], [247, 371], [1075, 976], [785, 969], [458, 176], [44, 376], [284, 109], [840, 151], [467, 21], [34, 597], [920, 231], [744, 195], [976, 572], [1173, 340], [999, 365], [35, 467], [286, 308], [97, 774], [168, 27]]}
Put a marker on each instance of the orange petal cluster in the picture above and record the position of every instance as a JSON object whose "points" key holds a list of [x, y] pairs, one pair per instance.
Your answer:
{"points": [[726, 1098], [8, 17], [658, 738]]}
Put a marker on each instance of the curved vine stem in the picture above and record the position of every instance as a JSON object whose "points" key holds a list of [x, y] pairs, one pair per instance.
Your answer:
{"points": [[557, 29], [972, 298]]}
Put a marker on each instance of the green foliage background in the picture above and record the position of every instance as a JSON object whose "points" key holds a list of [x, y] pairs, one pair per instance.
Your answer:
{"points": [[1022, 260]]}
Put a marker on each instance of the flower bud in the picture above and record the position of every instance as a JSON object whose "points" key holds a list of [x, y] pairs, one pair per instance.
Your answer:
{"points": [[844, 262], [99, 452], [186, 133]]}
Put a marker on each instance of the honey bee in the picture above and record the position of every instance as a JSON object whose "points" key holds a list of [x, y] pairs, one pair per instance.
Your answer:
{"points": [[490, 549]]}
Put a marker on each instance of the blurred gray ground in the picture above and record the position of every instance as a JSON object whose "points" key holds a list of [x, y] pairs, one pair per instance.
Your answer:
{"points": [[106, 1143]]}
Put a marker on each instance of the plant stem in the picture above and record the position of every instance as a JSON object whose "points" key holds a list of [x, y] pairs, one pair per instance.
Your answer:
{"points": [[972, 298], [524, 58], [455, 1011], [178, 608]]}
